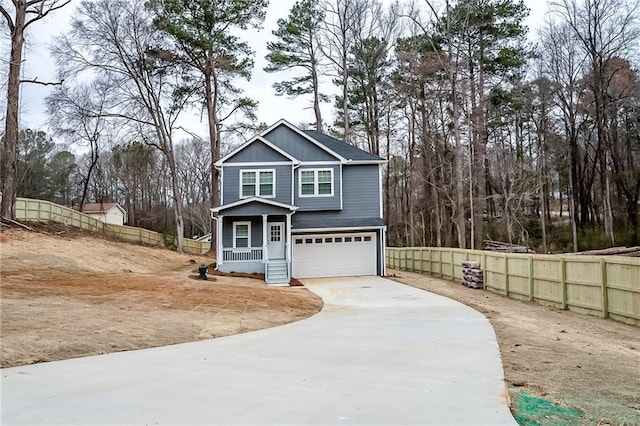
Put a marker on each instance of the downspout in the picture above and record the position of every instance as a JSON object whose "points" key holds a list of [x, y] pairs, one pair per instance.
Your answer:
{"points": [[383, 244], [288, 246], [294, 166]]}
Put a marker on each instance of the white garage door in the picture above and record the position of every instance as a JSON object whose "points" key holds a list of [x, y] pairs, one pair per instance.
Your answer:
{"points": [[334, 255]]}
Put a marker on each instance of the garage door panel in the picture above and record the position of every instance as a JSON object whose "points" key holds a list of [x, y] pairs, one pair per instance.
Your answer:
{"points": [[334, 255]]}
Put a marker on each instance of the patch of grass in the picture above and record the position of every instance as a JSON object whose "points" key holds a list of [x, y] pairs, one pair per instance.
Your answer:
{"points": [[531, 409]]}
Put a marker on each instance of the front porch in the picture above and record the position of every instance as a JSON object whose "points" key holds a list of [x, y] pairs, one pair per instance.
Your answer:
{"points": [[255, 243]]}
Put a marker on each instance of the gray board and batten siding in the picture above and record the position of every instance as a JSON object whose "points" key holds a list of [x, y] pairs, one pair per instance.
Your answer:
{"points": [[297, 146], [255, 152]]}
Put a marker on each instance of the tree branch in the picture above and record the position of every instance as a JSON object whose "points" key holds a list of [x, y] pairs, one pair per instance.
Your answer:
{"points": [[6, 15], [43, 83], [42, 13]]}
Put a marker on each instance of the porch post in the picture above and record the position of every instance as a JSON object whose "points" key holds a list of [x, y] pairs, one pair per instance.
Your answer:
{"points": [[264, 238], [288, 226], [219, 252]]}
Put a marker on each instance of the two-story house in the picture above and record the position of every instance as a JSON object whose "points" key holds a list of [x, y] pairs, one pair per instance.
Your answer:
{"points": [[299, 203]]}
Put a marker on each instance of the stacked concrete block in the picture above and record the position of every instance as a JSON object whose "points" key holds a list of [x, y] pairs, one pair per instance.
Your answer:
{"points": [[472, 275]]}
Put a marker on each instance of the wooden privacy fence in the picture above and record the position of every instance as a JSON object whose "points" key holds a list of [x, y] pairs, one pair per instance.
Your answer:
{"points": [[46, 211], [608, 286]]}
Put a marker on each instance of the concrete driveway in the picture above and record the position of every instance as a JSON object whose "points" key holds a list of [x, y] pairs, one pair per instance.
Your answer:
{"points": [[378, 353]]}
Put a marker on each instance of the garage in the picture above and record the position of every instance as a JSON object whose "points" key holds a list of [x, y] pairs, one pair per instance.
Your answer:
{"points": [[334, 255]]}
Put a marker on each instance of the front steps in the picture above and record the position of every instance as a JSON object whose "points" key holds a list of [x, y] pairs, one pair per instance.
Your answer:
{"points": [[277, 273]]}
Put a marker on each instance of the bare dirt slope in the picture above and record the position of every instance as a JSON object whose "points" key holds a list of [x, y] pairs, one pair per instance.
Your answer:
{"points": [[588, 364], [67, 294]]}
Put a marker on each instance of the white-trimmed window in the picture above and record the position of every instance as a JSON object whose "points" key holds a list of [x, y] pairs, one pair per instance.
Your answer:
{"points": [[316, 182], [261, 183], [241, 234]]}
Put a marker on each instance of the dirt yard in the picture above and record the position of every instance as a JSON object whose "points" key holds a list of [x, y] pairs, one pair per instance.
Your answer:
{"points": [[68, 294], [589, 365]]}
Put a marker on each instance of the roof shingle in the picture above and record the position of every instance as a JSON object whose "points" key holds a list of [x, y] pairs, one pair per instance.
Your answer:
{"points": [[342, 148]]}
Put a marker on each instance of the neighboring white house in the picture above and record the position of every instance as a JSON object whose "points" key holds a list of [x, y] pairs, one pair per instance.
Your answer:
{"points": [[206, 238], [106, 212]]}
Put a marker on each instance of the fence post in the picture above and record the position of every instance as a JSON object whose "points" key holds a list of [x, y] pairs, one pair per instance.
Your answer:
{"points": [[563, 282], [506, 275], [605, 296], [531, 280], [453, 272]]}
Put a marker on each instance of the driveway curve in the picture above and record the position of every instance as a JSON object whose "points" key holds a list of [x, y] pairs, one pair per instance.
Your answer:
{"points": [[379, 352]]}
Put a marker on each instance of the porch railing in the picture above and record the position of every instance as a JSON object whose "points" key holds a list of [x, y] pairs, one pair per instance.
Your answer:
{"points": [[249, 254]]}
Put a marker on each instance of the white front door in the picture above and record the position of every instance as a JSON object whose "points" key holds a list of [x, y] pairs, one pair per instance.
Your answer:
{"points": [[275, 240]]}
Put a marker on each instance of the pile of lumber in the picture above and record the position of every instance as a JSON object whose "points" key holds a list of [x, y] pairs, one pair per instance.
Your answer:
{"points": [[472, 275], [613, 251], [505, 247]]}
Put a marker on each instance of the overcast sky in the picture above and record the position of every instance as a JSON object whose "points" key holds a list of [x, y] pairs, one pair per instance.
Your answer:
{"points": [[39, 64]]}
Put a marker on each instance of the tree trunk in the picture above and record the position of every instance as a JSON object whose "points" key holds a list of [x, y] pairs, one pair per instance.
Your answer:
{"points": [[316, 102], [10, 153], [345, 100], [214, 139]]}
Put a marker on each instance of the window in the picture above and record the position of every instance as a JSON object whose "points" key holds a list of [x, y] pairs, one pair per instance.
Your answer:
{"points": [[314, 183], [259, 183], [241, 234], [275, 233]]}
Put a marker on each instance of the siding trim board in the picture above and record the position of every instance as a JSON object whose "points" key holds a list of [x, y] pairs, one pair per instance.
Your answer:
{"points": [[218, 209], [257, 164], [335, 229]]}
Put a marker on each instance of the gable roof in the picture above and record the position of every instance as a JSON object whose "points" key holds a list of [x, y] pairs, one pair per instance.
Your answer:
{"points": [[342, 148], [344, 152], [283, 122], [254, 200], [99, 207], [258, 138]]}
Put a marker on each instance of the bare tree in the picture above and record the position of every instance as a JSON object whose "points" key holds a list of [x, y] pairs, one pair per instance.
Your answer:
{"points": [[77, 113], [342, 17], [115, 40], [25, 14]]}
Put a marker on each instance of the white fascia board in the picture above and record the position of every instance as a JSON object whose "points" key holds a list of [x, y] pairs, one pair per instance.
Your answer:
{"points": [[254, 164], [338, 230], [284, 122], [249, 142], [355, 162], [256, 199], [120, 208], [320, 163]]}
